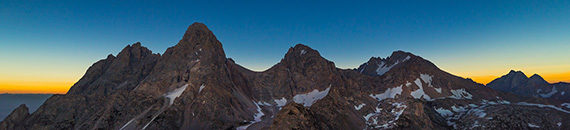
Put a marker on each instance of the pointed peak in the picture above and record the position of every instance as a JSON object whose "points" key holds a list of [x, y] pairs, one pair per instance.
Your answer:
{"points": [[401, 53], [301, 46], [514, 72], [536, 76], [137, 44], [197, 31], [110, 56], [135, 48], [380, 66], [23, 106], [301, 50], [401, 56], [199, 38], [301, 56]]}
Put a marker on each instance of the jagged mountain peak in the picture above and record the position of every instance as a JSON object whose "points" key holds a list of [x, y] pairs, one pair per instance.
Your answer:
{"points": [[135, 50], [199, 34], [304, 60], [197, 30], [536, 76], [110, 56], [115, 73], [198, 42], [377, 66], [303, 56], [537, 80], [516, 73], [509, 81], [299, 51]]}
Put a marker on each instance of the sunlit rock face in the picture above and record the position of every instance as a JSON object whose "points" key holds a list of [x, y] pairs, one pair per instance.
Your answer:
{"points": [[194, 86]]}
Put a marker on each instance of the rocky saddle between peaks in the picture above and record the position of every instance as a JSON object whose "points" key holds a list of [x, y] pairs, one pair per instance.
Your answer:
{"points": [[194, 86]]}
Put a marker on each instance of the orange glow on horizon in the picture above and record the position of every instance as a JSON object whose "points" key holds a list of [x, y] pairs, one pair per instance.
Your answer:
{"points": [[35, 87], [61, 87]]}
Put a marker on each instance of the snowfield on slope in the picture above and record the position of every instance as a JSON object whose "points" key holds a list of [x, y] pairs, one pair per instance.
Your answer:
{"points": [[308, 99]]}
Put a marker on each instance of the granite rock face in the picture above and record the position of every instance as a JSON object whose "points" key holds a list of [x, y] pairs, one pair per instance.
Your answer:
{"points": [[194, 86]]}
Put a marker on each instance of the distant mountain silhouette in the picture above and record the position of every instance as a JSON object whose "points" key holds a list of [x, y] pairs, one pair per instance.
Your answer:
{"points": [[534, 86]]}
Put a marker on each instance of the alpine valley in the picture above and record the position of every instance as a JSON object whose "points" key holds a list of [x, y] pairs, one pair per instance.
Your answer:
{"points": [[194, 86]]}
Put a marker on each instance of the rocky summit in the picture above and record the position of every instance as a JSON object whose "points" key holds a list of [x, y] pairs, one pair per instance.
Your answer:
{"points": [[194, 86]]}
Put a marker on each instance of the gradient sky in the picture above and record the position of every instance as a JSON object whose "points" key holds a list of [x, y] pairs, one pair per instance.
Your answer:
{"points": [[46, 46]]}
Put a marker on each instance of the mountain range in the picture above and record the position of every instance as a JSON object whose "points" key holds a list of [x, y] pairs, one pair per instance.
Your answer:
{"points": [[193, 85], [534, 86]]}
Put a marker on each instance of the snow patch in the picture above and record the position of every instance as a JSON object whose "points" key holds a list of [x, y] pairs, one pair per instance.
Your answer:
{"points": [[359, 106], [383, 67], [460, 94], [309, 98], [389, 93], [542, 105], [175, 93], [303, 52], [408, 84], [419, 93], [567, 105], [533, 125], [438, 90], [264, 103], [364, 67], [130, 121], [458, 109], [427, 79], [372, 119], [280, 102], [444, 112], [201, 87], [548, 95], [504, 102], [407, 58], [477, 112], [256, 117]]}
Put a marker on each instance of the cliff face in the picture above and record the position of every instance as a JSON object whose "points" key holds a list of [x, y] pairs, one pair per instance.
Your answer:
{"points": [[194, 86]]}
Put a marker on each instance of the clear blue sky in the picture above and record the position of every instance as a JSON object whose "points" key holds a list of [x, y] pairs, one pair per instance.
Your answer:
{"points": [[469, 38]]}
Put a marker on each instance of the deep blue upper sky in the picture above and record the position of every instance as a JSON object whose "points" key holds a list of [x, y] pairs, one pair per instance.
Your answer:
{"points": [[463, 37]]}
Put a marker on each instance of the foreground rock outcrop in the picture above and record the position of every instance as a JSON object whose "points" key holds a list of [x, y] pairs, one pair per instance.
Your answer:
{"points": [[194, 86]]}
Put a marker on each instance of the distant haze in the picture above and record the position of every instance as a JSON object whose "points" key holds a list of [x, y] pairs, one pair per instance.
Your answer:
{"points": [[9, 102]]}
